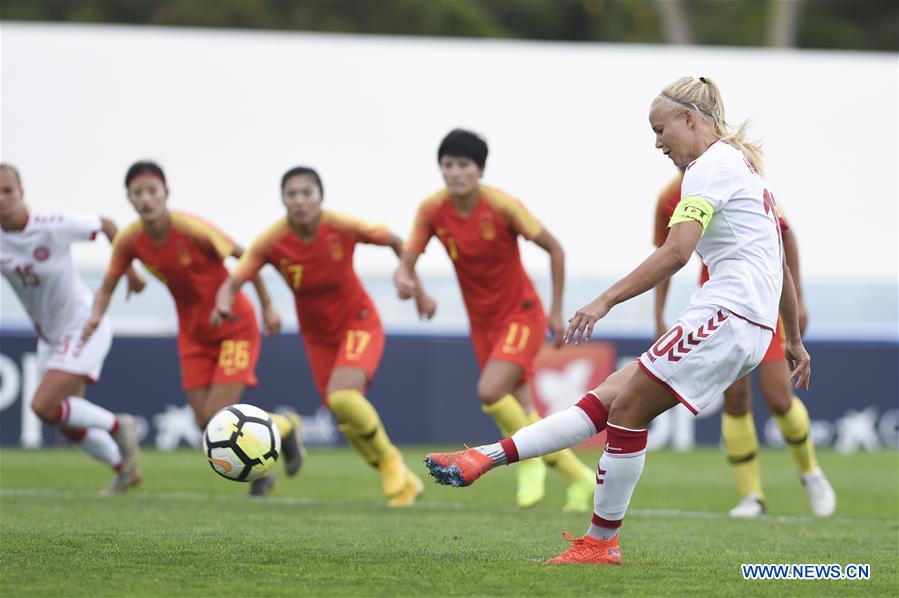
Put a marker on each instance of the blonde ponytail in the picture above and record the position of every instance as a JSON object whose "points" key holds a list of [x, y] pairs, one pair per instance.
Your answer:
{"points": [[703, 96]]}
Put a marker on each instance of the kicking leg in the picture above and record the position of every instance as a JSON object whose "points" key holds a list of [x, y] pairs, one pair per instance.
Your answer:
{"points": [[556, 432], [638, 403], [581, 477]]}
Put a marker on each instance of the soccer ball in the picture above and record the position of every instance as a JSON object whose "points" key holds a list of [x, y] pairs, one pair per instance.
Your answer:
{"points": [[241, 443]]}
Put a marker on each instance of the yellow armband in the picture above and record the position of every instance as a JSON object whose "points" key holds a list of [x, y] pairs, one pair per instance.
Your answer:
{"points": [[692, 208]]}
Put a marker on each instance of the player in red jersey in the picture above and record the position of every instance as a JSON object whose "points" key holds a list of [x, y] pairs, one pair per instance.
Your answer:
{"points": [[313, 250], [187, 254], [479, 228], [737, 426], [36, 260]]}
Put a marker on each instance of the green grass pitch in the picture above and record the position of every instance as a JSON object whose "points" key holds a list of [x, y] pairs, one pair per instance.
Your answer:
{"points": [[328, 532]]}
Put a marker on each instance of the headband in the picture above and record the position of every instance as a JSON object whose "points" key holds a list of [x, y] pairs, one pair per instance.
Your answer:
{"points": [[149, 173], [687, 105]]}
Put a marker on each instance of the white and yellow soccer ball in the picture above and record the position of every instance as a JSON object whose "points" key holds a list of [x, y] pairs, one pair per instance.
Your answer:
{"points": [[241, 443]]}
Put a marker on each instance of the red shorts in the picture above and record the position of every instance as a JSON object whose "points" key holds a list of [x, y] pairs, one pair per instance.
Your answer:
{"points": [[517, 339], [359, 345], [776, 348], [222, 361]]}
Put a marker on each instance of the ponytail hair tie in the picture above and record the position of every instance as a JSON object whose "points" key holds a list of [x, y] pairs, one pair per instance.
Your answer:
{"points": [[703, 79]]}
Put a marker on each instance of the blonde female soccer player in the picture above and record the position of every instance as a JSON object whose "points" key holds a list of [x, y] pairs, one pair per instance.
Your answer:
{"points": [[479, 227], [737, 428], [36, 260], [727, 214], [187, 255], [313, 250]]}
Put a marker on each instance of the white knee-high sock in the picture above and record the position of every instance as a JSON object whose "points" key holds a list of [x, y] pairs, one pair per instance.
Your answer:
{"points": [[77, 412], [97, 443], [619, 471], [553, 433]]}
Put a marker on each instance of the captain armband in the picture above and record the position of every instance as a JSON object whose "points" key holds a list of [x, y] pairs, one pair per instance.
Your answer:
{"points": [[692, 208]]}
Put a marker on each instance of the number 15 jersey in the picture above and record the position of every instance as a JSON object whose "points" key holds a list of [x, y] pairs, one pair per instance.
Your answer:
{"points": [[38, 264]]}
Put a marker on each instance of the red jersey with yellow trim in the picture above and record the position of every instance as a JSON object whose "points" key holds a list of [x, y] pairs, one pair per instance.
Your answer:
{"points": [[483, 247], [327, 292], [667, 202], [190, 263]]}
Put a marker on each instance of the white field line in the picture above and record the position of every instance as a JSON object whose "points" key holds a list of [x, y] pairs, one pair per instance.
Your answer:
{"points": [[430, 505]]}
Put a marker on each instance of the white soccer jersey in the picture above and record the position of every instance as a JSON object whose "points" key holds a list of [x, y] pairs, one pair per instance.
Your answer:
{"points": [[38, 264], [741, 245]]}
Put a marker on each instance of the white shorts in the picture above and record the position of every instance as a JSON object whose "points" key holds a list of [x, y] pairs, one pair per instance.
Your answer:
{"points": [[704, 353], [70, 355]]}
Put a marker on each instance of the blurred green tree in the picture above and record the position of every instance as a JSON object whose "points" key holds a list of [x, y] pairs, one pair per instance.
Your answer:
{"points": [[837, 24]]}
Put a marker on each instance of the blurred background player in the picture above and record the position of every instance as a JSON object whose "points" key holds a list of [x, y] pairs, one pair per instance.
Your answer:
{"points": [[36, 260], [479, 227], [313, 250], [187, 255], [726, 214], [737, 426]]}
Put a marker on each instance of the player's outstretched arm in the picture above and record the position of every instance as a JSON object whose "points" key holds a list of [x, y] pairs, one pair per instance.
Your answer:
{"points": [[798, 357], [791, 253], [664, 261], [404, 278], [408, 284], [661, 298], [424, 303], [101, 303], [271, 318], [557, 272], [224, 300], [136, 282]]}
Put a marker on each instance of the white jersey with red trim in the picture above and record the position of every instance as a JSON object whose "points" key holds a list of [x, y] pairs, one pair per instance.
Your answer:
{"points": [[741, 245], [38, 264]]}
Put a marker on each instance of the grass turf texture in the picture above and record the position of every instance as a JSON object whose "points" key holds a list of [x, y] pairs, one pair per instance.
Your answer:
{"points": [[328, 532]]}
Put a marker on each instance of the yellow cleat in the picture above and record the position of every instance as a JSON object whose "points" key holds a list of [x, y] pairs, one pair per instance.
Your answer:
{"points": [[393, 474], [409, 494], [580, 493], [531, 483]]}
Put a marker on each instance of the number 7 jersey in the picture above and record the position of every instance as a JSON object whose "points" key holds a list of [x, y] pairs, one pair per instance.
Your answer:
{"points": [[327, 292]]}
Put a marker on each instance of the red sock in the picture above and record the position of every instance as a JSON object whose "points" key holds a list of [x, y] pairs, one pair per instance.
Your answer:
{"points": [[62, 412], [510, 449], [74, 434], [595, 410]]}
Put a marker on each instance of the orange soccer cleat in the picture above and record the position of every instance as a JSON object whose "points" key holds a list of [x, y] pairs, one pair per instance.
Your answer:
{"points": [[459, 468], [588, 551]]}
